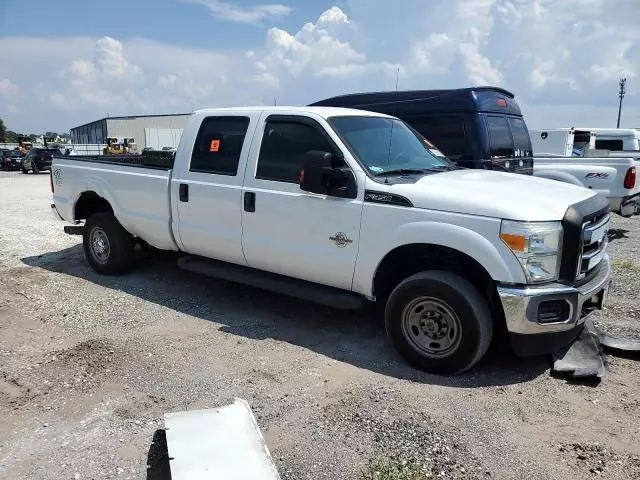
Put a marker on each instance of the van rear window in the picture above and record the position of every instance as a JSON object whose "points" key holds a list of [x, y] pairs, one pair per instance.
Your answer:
{"points": [[521, 140], [501, 143], [508, 138]]}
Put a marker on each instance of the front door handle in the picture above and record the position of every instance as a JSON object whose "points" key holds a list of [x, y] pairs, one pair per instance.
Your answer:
{"points": [[184, 192], [249, 202]]}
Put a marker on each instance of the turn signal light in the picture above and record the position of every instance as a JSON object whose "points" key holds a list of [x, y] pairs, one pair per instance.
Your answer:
{"points": [[515, 242]]}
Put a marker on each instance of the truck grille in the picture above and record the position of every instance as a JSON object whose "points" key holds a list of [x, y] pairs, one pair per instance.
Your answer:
{"points": [[593, 244]]}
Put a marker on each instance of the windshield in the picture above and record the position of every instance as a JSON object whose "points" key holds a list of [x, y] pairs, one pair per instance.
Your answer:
{"points": [[387, 145]]}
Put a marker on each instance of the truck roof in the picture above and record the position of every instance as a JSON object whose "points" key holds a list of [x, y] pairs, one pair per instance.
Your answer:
{"points": [[324, 112]]}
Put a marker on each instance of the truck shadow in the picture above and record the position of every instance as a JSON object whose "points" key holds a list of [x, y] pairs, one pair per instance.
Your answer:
{"points": [[347, 336]]}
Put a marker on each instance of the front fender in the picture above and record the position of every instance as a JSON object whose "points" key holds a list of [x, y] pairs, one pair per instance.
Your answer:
{"points": [[496, 258]]}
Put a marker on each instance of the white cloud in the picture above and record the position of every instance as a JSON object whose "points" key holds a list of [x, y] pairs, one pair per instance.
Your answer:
{"points": [[561, 59], [250, 15], [333, 15], [8, 88]]}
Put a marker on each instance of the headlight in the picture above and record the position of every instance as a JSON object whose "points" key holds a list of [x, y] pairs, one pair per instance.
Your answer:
{"points": [[537, 246]]}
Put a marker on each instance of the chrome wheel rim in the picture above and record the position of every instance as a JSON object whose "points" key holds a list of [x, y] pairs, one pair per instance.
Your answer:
{"points": [[100, 247], [431, 327]]}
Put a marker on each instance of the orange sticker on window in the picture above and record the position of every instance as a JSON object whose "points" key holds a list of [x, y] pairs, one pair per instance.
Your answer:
{"points": [[215, 146]]}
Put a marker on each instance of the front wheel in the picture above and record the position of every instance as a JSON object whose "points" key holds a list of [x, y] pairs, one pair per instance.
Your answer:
{"points": [[108, 247], [439, 322], [24, 170], [34, 168]]}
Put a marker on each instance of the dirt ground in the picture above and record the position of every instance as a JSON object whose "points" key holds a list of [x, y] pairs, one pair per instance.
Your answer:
{"points": [[89, 365]]}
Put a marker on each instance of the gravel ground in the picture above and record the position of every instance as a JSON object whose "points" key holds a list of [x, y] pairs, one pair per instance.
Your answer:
{"points": [[89, 365]]}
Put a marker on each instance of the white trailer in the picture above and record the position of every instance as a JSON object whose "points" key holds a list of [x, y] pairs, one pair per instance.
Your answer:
{"points": [[583, 142]]}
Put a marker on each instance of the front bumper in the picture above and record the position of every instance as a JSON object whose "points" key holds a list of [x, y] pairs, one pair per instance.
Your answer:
{"points": [[630, 205], [521, 307]]}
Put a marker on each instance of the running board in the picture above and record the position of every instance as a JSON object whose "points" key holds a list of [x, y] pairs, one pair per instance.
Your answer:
{"points": [[313, 292]]}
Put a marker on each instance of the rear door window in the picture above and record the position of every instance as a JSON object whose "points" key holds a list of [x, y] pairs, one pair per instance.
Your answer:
{"points": [[521, 139], [218, 145], [500, 140]]}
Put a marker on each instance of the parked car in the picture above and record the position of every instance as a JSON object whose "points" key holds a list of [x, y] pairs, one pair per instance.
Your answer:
{"points": [[38, 159], [345, 207], [480, 127], [11, 159]]}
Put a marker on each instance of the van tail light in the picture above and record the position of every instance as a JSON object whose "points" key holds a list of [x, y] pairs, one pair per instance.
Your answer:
{"points": [[630, 178]]}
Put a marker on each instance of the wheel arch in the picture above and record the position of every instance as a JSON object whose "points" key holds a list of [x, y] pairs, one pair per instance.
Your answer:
{"points": [[88, 203], [409, 259]]}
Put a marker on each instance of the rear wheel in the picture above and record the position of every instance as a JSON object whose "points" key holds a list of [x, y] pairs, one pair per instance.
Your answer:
{"points": [[34, 168], [439, 322], [108, 247]]}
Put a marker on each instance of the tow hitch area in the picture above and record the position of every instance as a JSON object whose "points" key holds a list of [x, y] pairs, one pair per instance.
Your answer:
{"points": [[74, 229], [584, 359]]}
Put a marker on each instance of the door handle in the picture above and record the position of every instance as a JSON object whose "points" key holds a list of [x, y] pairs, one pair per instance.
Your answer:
{"points": [[184, 192], [249, 202]]}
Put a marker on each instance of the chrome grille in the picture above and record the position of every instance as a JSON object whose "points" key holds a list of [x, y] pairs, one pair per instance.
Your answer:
{"points": [[594, 244]]}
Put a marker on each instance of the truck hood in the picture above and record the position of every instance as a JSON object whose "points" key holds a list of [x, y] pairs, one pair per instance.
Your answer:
{"points": [[491, 194]]}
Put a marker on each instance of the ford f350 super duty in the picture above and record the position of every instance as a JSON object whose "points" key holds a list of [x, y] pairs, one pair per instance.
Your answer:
{"points": [[344, 207]]}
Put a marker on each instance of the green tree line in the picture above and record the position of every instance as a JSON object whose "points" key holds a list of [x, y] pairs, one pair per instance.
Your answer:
{"points": [[9, 136]]}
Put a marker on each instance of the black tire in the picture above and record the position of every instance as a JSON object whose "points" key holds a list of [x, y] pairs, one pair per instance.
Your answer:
{"points": [[24, 170], [103, 227], [436, 292], [34, 168]]}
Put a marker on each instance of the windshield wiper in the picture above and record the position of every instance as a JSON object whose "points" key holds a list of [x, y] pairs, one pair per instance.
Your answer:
{"points": [[400, 171]]}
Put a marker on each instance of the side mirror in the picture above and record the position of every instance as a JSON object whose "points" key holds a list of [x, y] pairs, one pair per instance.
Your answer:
{"points": [[327, 174]]}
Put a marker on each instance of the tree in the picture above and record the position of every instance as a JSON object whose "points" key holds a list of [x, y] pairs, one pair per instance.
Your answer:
{"points": [[3, 131], [11, 137]]}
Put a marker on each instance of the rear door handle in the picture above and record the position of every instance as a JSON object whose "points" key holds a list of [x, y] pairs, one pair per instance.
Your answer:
{"points": [[184, 192], [249, 202]]}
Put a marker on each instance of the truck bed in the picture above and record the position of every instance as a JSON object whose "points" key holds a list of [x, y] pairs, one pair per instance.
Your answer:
{"points": [[606, 175], [136, 187]]}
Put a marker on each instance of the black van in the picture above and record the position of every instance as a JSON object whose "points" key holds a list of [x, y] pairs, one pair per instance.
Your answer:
{"points": [[480, 127]]}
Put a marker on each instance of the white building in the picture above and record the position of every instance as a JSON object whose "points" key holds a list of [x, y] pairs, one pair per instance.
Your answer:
{"points": [[154, 131]]}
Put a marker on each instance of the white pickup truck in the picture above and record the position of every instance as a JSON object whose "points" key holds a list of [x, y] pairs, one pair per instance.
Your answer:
{"points": [[344, 207], [613, 175]]}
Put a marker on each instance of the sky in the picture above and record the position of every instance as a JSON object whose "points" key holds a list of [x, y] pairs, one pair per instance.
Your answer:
{"points": [[69, 62]]}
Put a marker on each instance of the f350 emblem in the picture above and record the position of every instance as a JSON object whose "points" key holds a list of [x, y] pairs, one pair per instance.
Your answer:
{"points": [[341, 239]]}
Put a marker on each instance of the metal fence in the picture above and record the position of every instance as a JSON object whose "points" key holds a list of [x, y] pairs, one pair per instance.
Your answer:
{"points": [[85, 148], [79, 148]]}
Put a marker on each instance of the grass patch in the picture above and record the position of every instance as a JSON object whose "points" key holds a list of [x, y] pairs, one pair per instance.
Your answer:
{"points": [[394, 468], [625, 264]]}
